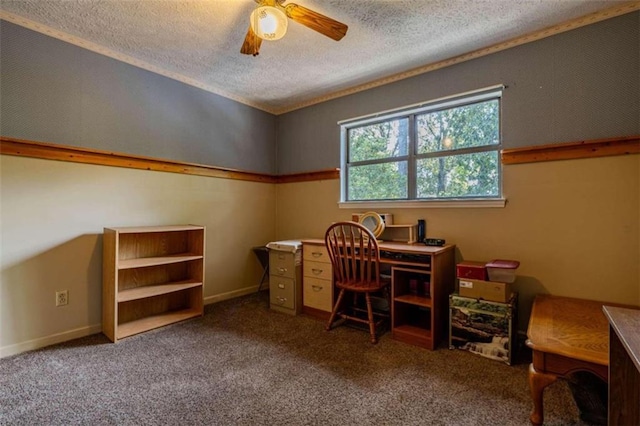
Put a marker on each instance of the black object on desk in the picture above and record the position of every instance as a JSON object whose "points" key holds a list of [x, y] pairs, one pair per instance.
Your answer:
{"points": [[436, 242]]}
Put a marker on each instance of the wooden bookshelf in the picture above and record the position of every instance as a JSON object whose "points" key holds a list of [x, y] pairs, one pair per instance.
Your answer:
{"points": [[152, 277]]}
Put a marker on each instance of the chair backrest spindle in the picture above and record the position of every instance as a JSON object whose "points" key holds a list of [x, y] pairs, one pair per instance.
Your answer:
{"points": [[354, 253]]}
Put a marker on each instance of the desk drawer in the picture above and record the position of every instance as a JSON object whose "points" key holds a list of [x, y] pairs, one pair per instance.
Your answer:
{"points": [[317, 294], [282, 292], [317, 270], [315, 253]]}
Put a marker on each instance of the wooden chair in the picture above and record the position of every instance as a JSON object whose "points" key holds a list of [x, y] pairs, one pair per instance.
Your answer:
{"points": [[355, 257]]}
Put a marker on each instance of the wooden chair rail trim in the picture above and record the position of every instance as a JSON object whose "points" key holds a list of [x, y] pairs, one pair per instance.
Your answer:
{"points": [[49, 151], [563, 151], [310, 176], [623, 145]]}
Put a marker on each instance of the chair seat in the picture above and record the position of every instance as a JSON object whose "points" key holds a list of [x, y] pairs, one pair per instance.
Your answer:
{"points": [[362, 286]]}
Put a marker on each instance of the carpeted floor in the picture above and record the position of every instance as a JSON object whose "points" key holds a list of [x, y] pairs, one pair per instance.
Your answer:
{"points": [[242, 364]]}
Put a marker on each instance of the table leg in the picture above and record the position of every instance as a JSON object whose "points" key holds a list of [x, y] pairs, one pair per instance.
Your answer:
{"points": [[537, 382]]}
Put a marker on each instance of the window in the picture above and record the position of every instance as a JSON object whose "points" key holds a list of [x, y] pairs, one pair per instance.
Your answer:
{"points": [[447, 149]]}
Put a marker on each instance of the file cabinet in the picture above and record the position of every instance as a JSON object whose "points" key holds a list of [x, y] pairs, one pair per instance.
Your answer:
{"points": [[285, 278]]}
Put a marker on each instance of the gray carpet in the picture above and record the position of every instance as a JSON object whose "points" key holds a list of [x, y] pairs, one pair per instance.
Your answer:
{"points": [[242, 364]]}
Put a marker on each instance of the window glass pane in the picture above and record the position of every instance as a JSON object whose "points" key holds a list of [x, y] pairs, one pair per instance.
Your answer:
{"points": [[470, 175], [461, 127], [380, 140], [385, 181]]}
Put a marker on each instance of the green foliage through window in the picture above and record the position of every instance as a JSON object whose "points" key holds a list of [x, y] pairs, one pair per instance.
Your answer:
{"points": [[457, 176], [444, 150], [381, 140], [385, 181]]}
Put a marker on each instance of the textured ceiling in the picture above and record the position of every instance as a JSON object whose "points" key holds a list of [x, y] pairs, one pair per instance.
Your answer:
{"points": [[198, 41]]}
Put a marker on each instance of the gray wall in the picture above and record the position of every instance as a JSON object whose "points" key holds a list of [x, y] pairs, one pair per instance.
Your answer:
{"points": [[582, 84], [56, 92]]}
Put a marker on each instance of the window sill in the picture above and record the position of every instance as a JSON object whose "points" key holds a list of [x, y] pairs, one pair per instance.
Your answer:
{"points": [[432, 204]]}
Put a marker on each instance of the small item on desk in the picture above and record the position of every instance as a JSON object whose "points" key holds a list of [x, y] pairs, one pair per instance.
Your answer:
{"points": [[434, 242], [422, 230]]}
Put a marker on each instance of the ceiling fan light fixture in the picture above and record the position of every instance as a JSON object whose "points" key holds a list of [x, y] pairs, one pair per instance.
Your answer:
{"points": [[269, 23]]}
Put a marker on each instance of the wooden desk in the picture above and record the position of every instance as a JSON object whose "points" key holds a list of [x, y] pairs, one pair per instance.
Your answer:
{"points": [[566, 335], [624, 369], [419, 320]]}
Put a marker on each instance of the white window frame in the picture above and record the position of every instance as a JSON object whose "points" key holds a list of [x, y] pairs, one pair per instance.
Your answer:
{"points": [[485, 94]]}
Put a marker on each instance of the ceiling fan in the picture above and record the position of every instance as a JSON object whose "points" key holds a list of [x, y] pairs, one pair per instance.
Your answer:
{"points": [[269, 21]]}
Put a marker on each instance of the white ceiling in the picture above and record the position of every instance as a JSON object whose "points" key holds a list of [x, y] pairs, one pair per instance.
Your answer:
{"points": [[198, 41]]}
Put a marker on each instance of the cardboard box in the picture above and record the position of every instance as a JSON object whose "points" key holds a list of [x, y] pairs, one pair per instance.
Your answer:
{"points": [[484, 328], [487, 290]]}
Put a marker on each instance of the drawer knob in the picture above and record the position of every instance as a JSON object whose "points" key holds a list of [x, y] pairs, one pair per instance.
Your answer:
{"points": [[281, 286], [316, 271], [282, 270], [316, 287]]}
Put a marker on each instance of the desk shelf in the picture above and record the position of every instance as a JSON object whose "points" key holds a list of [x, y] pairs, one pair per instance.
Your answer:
{"points": [[413, 335], [419, 299], [403, 233], [412, 299]]}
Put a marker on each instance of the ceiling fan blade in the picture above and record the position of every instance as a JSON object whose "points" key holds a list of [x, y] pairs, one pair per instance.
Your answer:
{"points": [[317, 22], [251, 44]]}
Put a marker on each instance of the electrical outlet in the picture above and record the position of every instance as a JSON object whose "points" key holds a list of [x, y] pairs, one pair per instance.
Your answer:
{"points": [[62, 297]]}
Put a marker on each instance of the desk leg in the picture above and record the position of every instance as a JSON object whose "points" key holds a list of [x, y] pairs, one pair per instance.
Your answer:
{"points": [[537, 382]]}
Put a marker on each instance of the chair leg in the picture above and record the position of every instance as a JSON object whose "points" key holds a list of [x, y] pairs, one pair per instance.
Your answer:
{"points": [[335, 310], [372, 324]]}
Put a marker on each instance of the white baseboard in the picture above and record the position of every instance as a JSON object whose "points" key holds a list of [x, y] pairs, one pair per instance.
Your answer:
{"points": [[53, 339], [231, 295], [41, 342]]}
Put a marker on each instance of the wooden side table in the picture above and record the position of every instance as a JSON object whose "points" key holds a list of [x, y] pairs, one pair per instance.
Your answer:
{"points": [[566, 335]]}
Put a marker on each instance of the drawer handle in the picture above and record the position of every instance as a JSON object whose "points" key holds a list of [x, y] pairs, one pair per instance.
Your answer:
{"points": [[316, 287], [316, 271], [282, 270], [316, 254], [281, 300], [281, 286]]}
